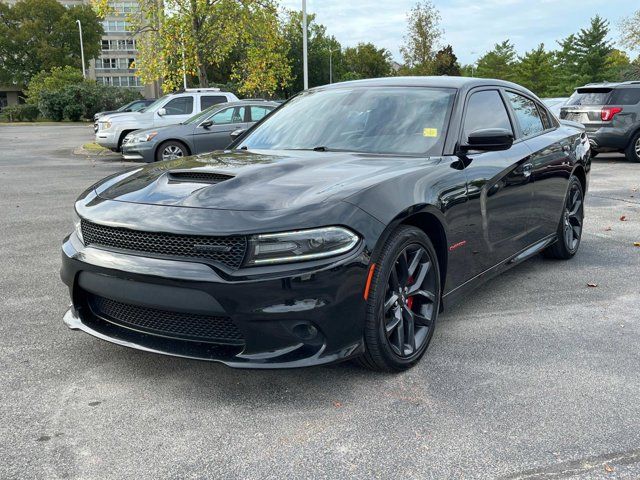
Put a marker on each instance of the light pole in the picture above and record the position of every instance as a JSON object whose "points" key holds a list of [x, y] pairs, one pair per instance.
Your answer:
{"points": [[330, 65], [305, 67], [84, 72]]}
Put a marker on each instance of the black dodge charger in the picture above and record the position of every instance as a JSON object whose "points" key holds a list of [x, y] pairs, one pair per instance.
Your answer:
{"points": [[338, 227]]}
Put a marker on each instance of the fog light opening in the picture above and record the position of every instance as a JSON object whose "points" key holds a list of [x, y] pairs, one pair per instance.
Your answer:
{"points": [[305, 331]]}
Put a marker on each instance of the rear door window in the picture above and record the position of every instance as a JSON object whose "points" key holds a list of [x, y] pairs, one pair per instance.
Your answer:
{"points": [[625, 96], [589, 96], [258, 113], [527, 114], [207, 101]]}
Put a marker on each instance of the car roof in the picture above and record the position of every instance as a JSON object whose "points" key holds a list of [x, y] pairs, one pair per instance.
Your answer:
{"points": [[247, 102], [629, 83], [438, 82]]}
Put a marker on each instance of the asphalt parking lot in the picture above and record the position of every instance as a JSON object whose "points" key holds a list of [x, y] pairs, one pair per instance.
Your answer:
{"points": [[535, 376]]}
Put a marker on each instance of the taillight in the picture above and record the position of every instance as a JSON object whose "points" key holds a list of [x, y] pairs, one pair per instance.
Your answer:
{"points": [[607, 113]]}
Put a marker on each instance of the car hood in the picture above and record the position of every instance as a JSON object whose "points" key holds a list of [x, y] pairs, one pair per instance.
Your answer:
{"points": [[122, 116], [256, 180], [177, 129]]}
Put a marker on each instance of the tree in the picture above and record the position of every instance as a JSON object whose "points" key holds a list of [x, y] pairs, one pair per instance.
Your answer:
{"points": [[534, 70], [38, 35], [52, 81], [593, 50], [630, 31], [446, 62], [420, 41], [367, 61], [319, 46], [498, 63], [209, 33], [619, 64]]}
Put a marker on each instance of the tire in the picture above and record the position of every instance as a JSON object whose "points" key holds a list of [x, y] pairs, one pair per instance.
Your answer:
{"points": [[166, 149], [633, 150], [594, 153], [571, 223], [389, 348]]}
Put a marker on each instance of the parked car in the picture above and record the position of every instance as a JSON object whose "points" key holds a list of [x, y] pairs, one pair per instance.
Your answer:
{"points": [[206, 131], [611, 114], [168, 110], [134, 106], [554, 104], [337, 227]]}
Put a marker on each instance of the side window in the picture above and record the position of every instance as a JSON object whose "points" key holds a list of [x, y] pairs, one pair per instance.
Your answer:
{"points": [[527, 114], [207, 101], [257, 113], [179, 106], [228, 115], [485, 109]]}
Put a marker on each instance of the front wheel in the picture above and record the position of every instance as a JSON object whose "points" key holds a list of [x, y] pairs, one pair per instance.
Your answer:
{"points": [[570, 228], [403, 302], [170, 151]]}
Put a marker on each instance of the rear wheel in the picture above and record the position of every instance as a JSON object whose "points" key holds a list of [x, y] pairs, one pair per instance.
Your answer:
{"points": [[633, 150], [403, 302], [570, 228], [171, 150]]}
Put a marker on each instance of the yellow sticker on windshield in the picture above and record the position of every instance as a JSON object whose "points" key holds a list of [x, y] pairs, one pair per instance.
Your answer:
{"points": [[430, 132]]}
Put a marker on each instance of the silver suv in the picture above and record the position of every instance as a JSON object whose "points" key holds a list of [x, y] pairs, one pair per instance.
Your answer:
{"points": [[168, 110], [610, 113]]}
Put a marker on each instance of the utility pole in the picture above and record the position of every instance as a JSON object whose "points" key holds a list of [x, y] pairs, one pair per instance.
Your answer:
{"points": [[330, 65], [305, 67], [84, 72]]}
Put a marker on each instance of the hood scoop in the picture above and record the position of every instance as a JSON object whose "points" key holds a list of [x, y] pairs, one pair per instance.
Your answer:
{"points": [[198, 177]]}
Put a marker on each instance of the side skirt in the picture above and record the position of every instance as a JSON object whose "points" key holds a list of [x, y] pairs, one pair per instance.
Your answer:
{"points": [[460, 292]]}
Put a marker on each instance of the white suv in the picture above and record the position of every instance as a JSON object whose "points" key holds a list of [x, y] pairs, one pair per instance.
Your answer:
{"points": [[168, 110]]}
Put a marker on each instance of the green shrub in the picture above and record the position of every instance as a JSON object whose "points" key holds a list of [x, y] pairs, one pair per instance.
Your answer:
{"points": [[55, 80], [83, 100], [19, 113]]}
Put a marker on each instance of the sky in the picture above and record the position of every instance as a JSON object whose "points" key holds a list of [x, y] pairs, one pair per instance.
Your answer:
{"points": [[471, 27]]}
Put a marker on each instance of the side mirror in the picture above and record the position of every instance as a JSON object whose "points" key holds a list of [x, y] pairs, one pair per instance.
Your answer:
{"points": [[236, 133], [162, 112], [127, 110], [206, 124], [488, 140]]}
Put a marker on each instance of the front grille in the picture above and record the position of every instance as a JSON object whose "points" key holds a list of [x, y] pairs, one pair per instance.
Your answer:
{"points": [[229, 251], [205, 177], [179, 325]]}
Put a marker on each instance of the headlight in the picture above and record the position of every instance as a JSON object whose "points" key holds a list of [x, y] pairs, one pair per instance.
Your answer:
{"points": [[107, 125], [77, 226], [300, 245], [142, 137]]}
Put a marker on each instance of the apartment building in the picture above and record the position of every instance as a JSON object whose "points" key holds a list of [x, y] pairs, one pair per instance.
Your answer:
{"points": [[115, 65]]}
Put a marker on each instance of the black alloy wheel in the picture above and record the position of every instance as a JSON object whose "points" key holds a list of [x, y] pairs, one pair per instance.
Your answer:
{"points": [[570, 228], [403, 302]]}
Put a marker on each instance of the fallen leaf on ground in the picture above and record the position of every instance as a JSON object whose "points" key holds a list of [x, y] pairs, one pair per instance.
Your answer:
{"points": [[593, 285], [608, 468], [636, 244], [337, 404], [608, 229], [623, 218]]}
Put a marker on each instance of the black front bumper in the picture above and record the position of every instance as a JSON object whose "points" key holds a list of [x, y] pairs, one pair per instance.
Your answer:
{"points": [[309, 316]]}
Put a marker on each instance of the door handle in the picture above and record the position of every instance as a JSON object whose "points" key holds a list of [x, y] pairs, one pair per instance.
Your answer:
{"points": [[526, 169]]}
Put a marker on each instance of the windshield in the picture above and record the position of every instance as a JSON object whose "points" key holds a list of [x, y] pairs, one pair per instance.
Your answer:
{"points": [[199, 117], [124, 107], [393, 120], [589, 96]]}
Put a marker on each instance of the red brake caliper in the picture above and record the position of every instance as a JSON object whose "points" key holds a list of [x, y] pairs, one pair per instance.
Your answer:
{"points": [[410, 299]]}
